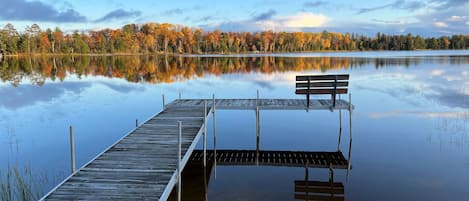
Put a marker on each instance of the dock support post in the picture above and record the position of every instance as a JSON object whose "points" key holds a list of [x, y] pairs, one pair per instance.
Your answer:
{"points": [[257, 99], [340, 127], [307, 93], [72, 151], [257, 135], [180, 95], [257, 122], [179, 159], [307, 175], [136, 122], [205, 184], [205, 133], [214, 136], [162, 96], [307, 170], [350, 107]]}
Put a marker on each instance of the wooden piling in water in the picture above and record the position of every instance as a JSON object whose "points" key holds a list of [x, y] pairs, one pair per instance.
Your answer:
{"points": [[72, 151], [214, 135], [350, 127], [340, 128], [257, 99], [205, 133], [179, 160], [162, 96]]}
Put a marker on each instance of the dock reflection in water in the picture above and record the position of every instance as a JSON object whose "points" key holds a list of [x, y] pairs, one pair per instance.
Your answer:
{"points": [[196, 177]]}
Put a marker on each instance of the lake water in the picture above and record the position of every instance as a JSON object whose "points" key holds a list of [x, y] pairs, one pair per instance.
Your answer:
{"points": [[410, 123]]}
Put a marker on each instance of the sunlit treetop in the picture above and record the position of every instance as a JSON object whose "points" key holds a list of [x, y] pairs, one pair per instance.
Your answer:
{"points": [[422, 17]]}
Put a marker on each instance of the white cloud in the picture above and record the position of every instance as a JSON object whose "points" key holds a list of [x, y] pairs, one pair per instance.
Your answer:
{"points": [[305, 20], [295, 22], [467, 23], [440, 24]]}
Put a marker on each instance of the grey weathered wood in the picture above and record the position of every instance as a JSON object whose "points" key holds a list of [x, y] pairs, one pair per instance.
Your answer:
{"points": [[72, 151], [142, 165], [263, 104]]}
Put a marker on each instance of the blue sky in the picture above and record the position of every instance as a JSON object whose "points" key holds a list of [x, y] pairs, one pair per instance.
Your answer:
{"points": [[425, 17]]}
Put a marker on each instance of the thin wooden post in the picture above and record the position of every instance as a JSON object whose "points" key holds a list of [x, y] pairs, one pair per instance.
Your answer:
{"points": [[257, 98], [72, 151], [334, 92], [214, 135], [349, 165], [205, 133], [257, 122], [350, 108], [205, 183], [257, 135], [136, 122], [214, 121], [307, 93], [162, 96], [350, 122], [307, 170], [340, 127], [180, 95], [307, 175], [179, 160]]}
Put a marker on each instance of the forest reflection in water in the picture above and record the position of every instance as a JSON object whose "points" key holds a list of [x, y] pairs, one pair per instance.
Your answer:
{"points": [[411, 111], [167, 69]]}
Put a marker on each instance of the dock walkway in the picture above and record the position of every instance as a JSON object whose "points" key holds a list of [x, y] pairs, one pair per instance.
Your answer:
{"points": [[263, 104], [142, 165]]}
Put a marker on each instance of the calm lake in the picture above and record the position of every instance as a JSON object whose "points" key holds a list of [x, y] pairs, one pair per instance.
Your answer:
{"points": [[410, 123]]}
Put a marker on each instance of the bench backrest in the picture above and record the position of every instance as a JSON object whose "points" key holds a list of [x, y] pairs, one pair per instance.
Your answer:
{"points": [[322, 84]]}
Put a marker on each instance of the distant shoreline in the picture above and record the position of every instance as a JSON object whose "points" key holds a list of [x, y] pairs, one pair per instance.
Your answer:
{"points": [[215, 54]]}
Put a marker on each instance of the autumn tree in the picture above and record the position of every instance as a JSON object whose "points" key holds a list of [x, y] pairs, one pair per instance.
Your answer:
{"points": [[168, 38]]}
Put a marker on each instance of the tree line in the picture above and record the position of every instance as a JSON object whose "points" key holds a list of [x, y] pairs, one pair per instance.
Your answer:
{"points": [[166, 69], [168, 38]]}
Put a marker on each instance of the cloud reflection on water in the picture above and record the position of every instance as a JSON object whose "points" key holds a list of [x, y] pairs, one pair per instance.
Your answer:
{"points": [[29, 94]]}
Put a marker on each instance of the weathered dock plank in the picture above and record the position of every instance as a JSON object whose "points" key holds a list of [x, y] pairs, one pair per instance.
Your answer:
{"points": [[263, 104]]}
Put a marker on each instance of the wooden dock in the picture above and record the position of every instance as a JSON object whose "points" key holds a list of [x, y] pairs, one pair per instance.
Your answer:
{"points": [[142, 165], [263, 104]]}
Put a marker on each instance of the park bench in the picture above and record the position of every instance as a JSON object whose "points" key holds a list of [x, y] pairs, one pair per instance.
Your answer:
{"points": [[322, 84]]}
